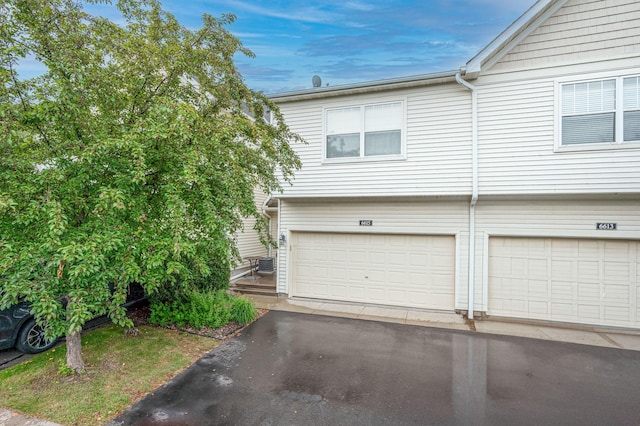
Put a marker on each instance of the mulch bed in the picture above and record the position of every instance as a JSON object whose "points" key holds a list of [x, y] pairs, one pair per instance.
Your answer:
{"points": [[140, 316]]}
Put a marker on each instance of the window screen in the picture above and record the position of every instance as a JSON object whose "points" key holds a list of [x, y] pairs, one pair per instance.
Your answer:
{"points": [[588, 112]]}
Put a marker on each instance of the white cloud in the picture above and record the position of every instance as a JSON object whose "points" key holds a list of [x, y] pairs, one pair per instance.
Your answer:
{"points": [[292, 13]]}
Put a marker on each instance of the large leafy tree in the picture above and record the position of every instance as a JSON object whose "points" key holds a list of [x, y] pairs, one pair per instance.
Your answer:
{"points": [[133, 158]]}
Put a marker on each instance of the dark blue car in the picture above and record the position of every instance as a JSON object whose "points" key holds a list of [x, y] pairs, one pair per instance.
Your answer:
{"points": [[18, 328]]}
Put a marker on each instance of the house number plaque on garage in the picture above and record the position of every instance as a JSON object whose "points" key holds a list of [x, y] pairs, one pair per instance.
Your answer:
{"points": [[366, 223], [606, 226]]}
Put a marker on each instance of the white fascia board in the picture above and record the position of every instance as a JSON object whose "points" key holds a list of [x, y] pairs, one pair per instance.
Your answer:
{"points": [[510, 37]]}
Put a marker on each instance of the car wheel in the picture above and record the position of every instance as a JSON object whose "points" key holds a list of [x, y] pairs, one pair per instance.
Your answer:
{"points": [[32, 340]]}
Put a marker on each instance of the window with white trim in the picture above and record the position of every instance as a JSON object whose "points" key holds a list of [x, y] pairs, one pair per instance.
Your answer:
{"points": [[601, 111], [631, 108], [364, 131]]}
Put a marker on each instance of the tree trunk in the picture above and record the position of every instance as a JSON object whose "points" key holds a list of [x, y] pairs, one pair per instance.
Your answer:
{"points": [[74, 354]]}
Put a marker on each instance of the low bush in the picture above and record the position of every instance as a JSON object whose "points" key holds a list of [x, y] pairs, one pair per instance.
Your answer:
{"points": [[201, 309], [243, 311]]}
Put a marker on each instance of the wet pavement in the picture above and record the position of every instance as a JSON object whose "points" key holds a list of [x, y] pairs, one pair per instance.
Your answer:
{"points": [[292, 368]]}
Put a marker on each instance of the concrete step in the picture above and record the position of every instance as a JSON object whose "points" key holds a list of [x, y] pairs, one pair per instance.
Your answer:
{"points": [[262, 291], [254, 283]]}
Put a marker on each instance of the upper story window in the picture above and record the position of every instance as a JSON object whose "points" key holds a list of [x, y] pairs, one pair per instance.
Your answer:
{"points": [[631, 115], [601, 111], [365, 131]]}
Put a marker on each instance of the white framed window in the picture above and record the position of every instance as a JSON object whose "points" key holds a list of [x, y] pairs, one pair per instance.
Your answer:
{"points": [[631, 108], [373, 130], [602, 111]]}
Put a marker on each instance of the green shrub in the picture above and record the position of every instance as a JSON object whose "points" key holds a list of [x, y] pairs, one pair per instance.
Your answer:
{"points": [[218, 279], [181, 290], [203, 309], [243, 311], [196, 309]]}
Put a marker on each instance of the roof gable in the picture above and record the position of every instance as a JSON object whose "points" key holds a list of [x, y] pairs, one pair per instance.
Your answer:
{"points": [[510, 37]]}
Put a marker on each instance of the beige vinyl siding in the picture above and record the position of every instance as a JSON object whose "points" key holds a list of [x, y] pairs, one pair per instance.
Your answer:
{"points": [[450, 218], [517, 152], [247, 240], [580, 31], [438, 150], [568, 218]]}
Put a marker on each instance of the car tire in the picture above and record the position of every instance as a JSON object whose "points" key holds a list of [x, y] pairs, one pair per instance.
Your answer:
{"points": [[32, 340]]}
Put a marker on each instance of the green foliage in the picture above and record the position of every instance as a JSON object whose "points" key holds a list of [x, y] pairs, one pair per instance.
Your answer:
{"points": [[131, 159], [243, 311], [217, 279], [202, 309], [64, 370]]}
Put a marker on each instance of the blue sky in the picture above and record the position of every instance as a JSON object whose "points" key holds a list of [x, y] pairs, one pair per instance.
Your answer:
{"points": [[350, 41]]}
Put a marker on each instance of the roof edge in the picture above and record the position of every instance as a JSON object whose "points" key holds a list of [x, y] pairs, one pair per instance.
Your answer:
{"points": [[512, 35], [365, 87]]}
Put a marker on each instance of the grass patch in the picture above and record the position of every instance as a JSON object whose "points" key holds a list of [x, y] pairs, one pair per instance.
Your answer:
{"points": [[121, 370]]}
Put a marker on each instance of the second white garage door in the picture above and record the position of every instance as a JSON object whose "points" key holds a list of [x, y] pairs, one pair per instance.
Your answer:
{"points": [[571, 280], [400, 270]]}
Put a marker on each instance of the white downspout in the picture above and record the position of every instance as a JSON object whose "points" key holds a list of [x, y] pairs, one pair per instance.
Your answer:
{"points": [[474, 190]]}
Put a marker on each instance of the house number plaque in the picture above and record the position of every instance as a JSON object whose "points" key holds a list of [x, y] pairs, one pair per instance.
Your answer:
{"points": [[366, 223], [606, 226]]}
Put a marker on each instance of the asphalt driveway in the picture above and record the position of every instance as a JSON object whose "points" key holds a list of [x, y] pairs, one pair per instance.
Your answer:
{"points": [[300, 369]]}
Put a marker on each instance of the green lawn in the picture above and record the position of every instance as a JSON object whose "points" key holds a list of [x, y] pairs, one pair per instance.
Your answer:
{"points": [[121, 370]]}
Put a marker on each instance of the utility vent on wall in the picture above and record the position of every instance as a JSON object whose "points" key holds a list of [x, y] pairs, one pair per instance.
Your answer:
{"points": [[265, 265]]}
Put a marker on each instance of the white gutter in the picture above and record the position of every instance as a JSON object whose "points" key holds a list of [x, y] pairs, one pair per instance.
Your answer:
{"points": [[474, 190], [366, 87]]}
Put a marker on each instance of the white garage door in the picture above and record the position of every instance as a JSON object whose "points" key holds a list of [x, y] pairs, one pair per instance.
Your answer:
{"points": [[401, 270], [571, 280]]}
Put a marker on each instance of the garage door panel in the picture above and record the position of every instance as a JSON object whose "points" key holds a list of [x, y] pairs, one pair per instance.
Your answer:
{"points": [[376, 276], [404, 270], [539, 308], [379, 257], [615, 251], [588, 281], [357, 256], [617, 272], [354, 292], [617, 295], [338, 255], [306, 255], [589, 313], [396, 258], [589, 292], [562, 248], [616, 314], [588, 272], [562, 311], [588, 250], [561, 290]]}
